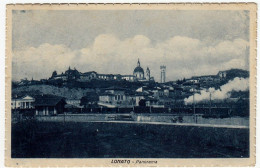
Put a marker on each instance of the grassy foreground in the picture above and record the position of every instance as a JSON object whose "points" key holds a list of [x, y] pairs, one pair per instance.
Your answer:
{"points": [[119, 140]]}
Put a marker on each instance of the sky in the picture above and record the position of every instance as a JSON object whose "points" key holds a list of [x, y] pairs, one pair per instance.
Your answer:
{"points": [[189, 43]]}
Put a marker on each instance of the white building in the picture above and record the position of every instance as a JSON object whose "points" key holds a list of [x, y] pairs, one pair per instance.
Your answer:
{"points": [[128, 77], [24, 102], [74, 102]]}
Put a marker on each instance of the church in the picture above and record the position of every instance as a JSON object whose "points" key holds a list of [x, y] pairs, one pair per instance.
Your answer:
{"points": [[140, 75]]}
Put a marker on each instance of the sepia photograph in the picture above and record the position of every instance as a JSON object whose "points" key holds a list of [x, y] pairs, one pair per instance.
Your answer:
{"points": [[131, 84]]}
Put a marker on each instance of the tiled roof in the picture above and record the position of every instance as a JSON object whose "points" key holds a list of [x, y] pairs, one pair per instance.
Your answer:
{"points": [[151, 99], [20, 96], [47, 100], [128, 76], [88, 73], [106, 94], [71, 106]]}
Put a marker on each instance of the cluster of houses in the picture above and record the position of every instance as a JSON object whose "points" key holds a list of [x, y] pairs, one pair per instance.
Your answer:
{"points": [[111, 97], [221, 76], [120, 97]]}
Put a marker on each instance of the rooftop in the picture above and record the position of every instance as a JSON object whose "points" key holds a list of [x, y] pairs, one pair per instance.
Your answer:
{"points": [[47, 100]]}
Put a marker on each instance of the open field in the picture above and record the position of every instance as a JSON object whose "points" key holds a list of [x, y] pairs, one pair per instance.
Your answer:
{"points": [[122, 140]]}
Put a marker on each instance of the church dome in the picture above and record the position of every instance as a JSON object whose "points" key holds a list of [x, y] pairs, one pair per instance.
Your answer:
{"points": [[139, 72], [138, 69]]}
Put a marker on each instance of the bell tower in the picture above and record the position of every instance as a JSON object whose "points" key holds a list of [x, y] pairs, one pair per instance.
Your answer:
{"points": [[148, 76], [163, 73], [138, 63]]}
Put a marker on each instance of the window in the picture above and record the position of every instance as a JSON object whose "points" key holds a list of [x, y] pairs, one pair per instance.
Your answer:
{"points": [[115, 97]]}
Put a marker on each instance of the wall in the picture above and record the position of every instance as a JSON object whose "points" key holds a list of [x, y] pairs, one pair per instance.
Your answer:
{"points": [[199, 120], [74, 117], [147, 118]]}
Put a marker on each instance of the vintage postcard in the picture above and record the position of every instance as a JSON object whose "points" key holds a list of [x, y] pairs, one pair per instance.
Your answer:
{"points": [[130, 85]]}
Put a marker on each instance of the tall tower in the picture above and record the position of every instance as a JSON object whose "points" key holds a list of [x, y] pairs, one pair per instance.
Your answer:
{"points": [[163, 71], [148, 76]]}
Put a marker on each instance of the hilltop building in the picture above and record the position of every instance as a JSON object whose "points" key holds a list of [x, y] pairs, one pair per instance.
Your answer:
{"points": [[148, 76], [74, 74], [139, 73], [219, 77], [70, 74], [128, 77], [87, 76]]}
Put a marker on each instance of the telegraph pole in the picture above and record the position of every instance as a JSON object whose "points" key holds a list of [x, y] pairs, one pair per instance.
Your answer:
{"points": [[15, 103], [63, 116], [210, 102], [193, 98], [195, 117], [15, 97]]}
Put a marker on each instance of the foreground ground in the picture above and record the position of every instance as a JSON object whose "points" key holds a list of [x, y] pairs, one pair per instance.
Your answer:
{"points": [[121, 140]]}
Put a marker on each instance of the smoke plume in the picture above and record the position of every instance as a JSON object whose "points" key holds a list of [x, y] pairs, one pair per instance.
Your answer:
{"points": [[237, 84]]}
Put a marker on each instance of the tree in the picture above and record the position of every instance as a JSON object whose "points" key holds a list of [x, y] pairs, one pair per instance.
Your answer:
{"points": [[84, 101], [54, 73], [178, 82], [142, 103], [15, 84], [90, 99]]}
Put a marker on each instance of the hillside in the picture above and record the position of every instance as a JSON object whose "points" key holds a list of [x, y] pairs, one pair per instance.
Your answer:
{"points": [[76, 93], [70, 89]]}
